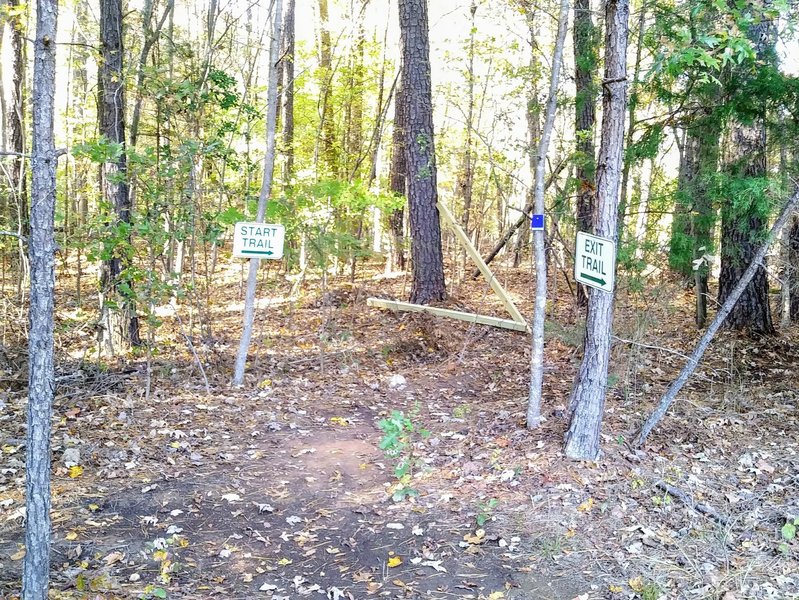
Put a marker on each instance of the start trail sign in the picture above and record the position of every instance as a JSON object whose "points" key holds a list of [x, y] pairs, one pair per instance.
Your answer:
{"points": [[258, 240], [595, 261]]}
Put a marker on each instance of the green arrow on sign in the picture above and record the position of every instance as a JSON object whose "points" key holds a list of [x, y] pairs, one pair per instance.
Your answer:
{"points": [[594, 279], [267, 252]]}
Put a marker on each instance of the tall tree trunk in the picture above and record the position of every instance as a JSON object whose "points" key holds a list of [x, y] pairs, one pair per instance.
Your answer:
{"points": [[588, 395], [586, 60], [428, 261], [539, 310], [41, 248], [266, 191], [288, 94], [119, 326], [744, 219]]}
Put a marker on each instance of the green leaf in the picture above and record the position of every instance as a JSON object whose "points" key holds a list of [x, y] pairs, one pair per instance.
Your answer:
{"points": [[789, 531]]}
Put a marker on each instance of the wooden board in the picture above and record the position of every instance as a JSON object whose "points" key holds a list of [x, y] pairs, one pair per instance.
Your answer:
{"points": [[478, 260], [446, 312]]}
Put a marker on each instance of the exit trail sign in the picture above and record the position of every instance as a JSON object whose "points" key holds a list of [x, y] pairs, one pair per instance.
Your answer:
{"points": [[258, 240], [595, 261]]}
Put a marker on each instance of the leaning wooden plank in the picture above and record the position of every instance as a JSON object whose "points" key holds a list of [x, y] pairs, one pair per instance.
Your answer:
{"points": [[478, 260], [446, 312]]}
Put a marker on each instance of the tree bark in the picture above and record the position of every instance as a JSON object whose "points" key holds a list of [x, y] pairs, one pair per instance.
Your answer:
{"points": [[539, 309], [266, 191], [743, 282], [119, 326], [588, 396], [41, 248], [428, 261], [586, 60]]}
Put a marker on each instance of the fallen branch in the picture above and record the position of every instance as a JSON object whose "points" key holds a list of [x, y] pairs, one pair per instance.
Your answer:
{"points": [[699, 507], [671, 394]]}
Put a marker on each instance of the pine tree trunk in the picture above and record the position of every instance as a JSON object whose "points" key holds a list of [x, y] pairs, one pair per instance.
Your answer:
{"points": [[428, 261], [119, 326], [586, 60], [41, 248], [588, 396]]}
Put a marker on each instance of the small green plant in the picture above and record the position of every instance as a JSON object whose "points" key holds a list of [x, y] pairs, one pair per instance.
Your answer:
{"points": [[651, 591], [552, 546], [486, 510], [152, 591], [401, 433], [788, 533], [461, 411]]}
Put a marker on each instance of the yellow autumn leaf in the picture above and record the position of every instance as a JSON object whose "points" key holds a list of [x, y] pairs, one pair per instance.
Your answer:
{"points": [[394, 561], [637, 584], [496, 595], [160, 555], [615, 589], [284, 561], [586, 506], [71, 536], [94, 507], [339, 421], [75, 471]]}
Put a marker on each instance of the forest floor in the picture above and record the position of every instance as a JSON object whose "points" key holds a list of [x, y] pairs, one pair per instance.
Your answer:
{"points": [[279, 489]]}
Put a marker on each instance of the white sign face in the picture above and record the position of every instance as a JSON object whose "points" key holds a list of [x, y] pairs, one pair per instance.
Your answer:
{"points": [[595, 261], [258, 240]]}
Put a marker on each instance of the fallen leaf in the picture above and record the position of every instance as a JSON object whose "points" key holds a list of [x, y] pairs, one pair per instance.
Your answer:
{"points": [[636, 585], [75, 471], [113, 558], [394, 561], [586, 506]]}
